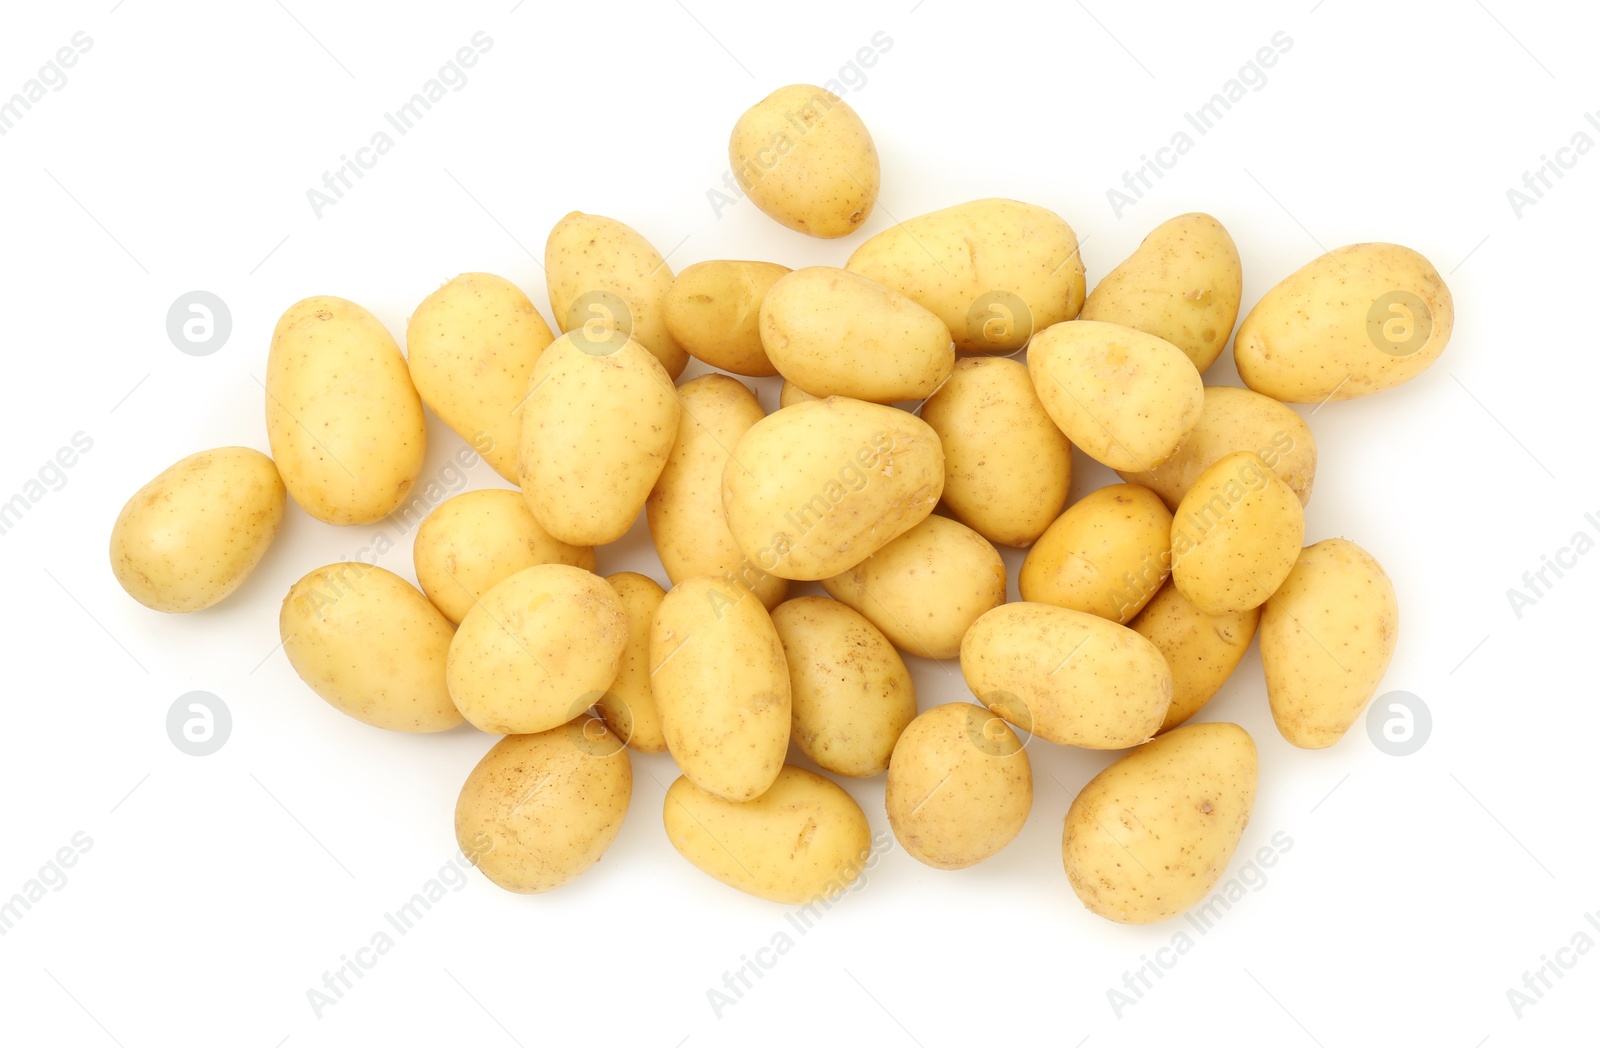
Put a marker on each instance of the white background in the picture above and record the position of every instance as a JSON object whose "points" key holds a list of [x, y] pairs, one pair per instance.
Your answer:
{"points": [[217, 890]]}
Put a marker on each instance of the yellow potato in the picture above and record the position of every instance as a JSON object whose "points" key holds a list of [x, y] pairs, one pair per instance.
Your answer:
{"points": [[1235, 535], [1151, 835], [1357, 320], [629, 706], [712, 309], [1327, 637], [192, 535], [806, 159], [1107, 554], [1202, 650], [366, 641], [343, 419], [789, 393]]}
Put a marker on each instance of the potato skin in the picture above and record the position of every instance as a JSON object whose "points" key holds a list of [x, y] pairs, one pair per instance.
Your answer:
{"points": [[789, 394], [629, 706], [1235, 535], [807, 160], [713, 310], [1201, 650], [1106, 555]]}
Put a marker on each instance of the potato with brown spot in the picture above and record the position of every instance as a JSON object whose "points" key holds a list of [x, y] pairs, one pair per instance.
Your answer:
{"points": [[1106, 555], [804, 157], [713, 310], [1235, 535]]}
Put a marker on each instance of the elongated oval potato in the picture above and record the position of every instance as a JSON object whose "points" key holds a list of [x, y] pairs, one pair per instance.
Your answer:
{"points": [[960, 786], [1007, 467], [688, 525], [713, 310], [850, 694], [597, 428], [370, 644], [806, 159], [999, 270], [1326, 639], [721, 687], [839, 334], [1358, 320], [1125, 398], [473, 541], [1234, 419], [343, 419], [1107, 554], [602, 275], [816, 488], [192, 535], [629, 706], [471, 346], [538, 810], [1235, 535], [927, 587], [1067, 676], [1151, 835], [1201, 650], [537, 650], [789, 394], [1182, 284]]}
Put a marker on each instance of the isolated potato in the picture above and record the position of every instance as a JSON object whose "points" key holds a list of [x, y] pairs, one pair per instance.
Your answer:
{"points": [[192, 535], [713, 310], [806, 159], [629, 706], [1235, 535], [1106, 555], [789, 393], [1201, 650]]}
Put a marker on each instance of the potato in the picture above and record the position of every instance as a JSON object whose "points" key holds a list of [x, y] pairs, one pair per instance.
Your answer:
{"points": [[806, 159], [1235, 535], [343, 419], [814, 489], [538, 810], [1125, 398], [803, 840], [712, 310], [688, 525], [789, 393], [1327, 637], [366, 641], [839, 334], [1201, 650], [1182, 285], [721, 687], [924, 589], [192, 535], [1067, 676], [960, 786], [1355, 321], [1234, 419], [629, 706], [1151, 835], [596, 432], [995, 271], [538, 649], [602, 276], [1007, 468], [471, 346], [474, 540], [1106, 555], [850, 695]]}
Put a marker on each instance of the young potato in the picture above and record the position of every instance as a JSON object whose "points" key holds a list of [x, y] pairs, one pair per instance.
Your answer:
{"points": [[850, 694], [803, 840], [343, 419], [602, 275], [192, 535], [839, 334], [629, 706], [1007, 468], [806, 159], [538, 649], [924, 589], [995, 271], [366, 641], [1202, 650], [721, 687], [1182, 284], [1072, 678], [473, 541], [471, 346], [1106, 555], [816, 488], [596, 432], [1327, 637], [960, 786], [1176, 807], [688, 525], [538, 810], [1235, 535], [1357, 320], [712, 309], [1234, 419], [789, 394], [1125, 398]]}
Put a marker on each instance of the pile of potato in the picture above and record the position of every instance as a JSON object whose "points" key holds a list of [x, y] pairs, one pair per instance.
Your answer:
{"points": [[903, 392]]}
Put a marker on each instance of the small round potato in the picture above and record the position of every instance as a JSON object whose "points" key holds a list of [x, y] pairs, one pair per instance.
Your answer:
{"points": [[1202, 650], [629, 706], [1235, 535], [1107, 554], [806, 159], [713, 309]]}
